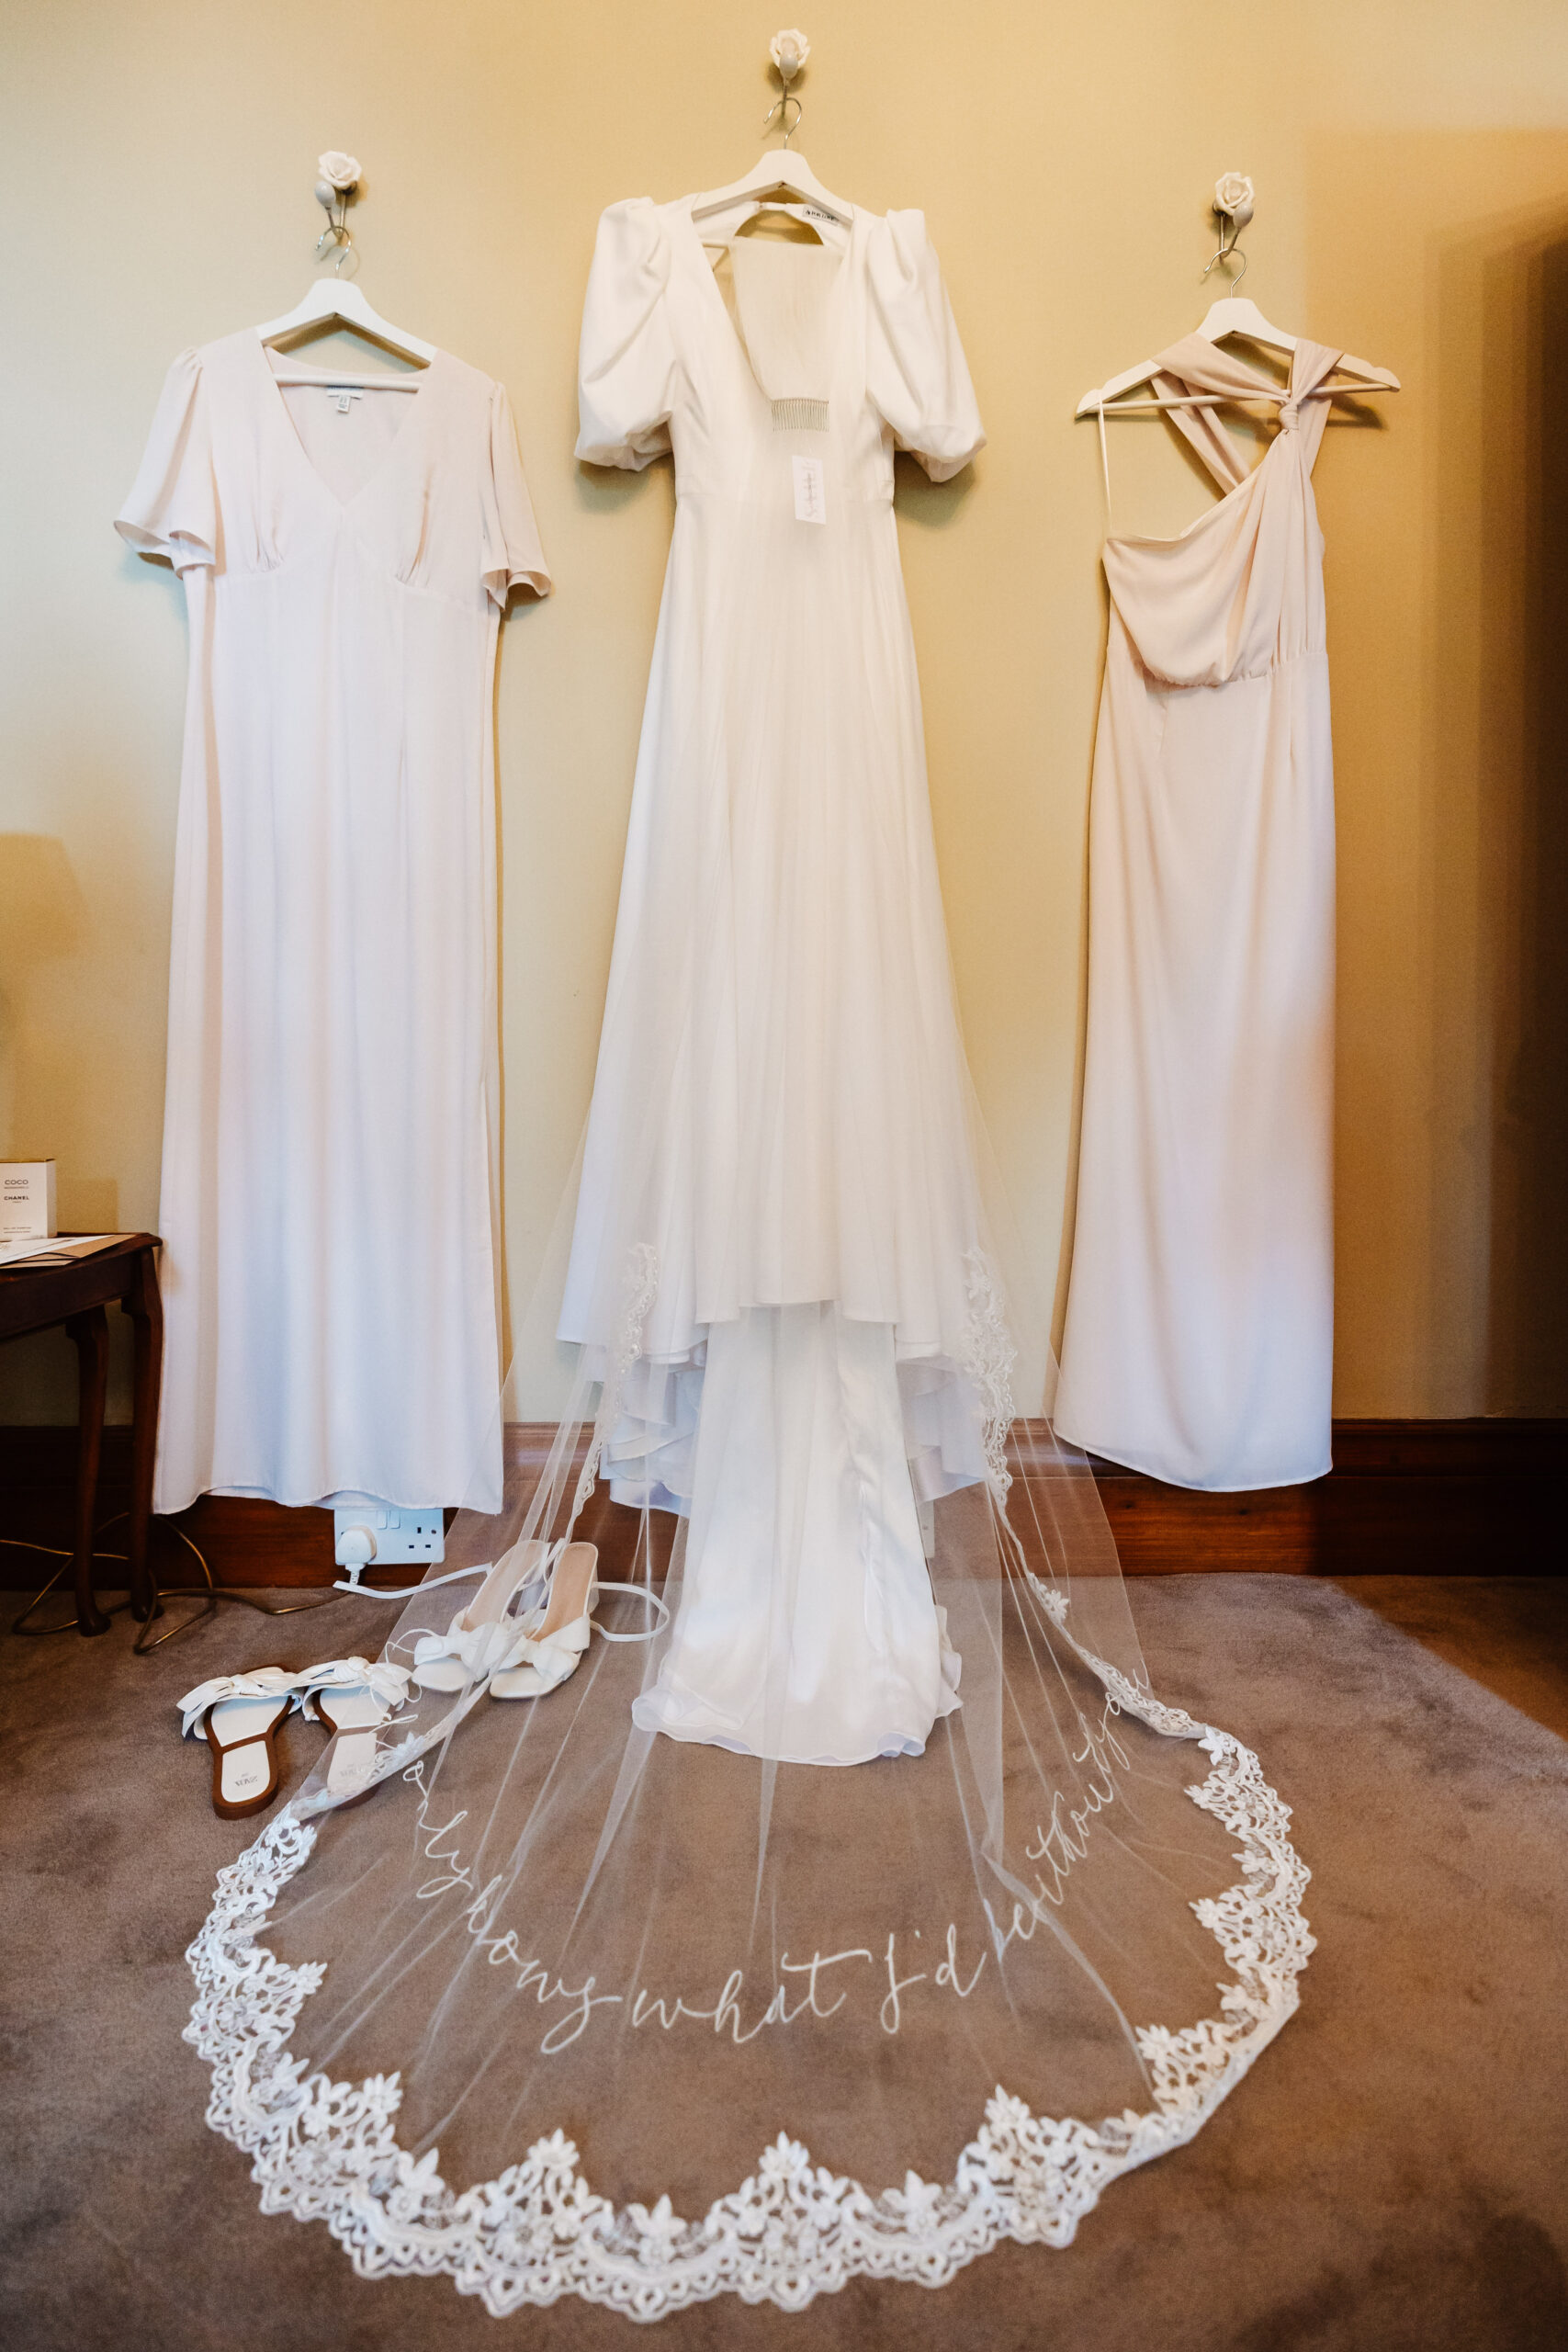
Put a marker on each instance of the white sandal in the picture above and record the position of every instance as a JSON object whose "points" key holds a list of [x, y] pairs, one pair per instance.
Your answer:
{"points": [[482, 1632], [241, 1712], [354, 1699], [550, 1647]]}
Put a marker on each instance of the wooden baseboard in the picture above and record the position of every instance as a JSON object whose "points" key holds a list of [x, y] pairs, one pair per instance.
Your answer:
{"points": [[1472, 1497]]}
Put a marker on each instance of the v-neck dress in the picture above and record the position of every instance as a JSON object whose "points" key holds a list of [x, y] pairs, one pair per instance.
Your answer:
{"points": [[329, 1206], [1200, 1331], [778, 1231]]}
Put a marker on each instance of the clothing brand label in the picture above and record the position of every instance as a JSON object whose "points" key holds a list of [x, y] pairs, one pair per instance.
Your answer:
{"points": [[810, 490]]}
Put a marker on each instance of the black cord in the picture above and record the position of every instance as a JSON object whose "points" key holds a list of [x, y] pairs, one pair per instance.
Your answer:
{"points": [[206, 1593]]}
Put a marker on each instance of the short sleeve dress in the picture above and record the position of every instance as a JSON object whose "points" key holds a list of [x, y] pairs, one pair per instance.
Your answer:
{"points": [[779, 1124], [329, 1209]]}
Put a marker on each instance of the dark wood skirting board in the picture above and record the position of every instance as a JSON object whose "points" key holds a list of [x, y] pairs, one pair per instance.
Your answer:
{"points": [[1472, 1497]]}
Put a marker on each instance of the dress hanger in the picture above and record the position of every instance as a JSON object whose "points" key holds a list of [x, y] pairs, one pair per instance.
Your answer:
{"points": [[1234, 314], [335, 300], [338, 300], [777, 169]]}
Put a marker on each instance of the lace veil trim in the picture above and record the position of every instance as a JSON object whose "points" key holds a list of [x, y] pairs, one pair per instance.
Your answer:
{"points": [[793, 2230]]}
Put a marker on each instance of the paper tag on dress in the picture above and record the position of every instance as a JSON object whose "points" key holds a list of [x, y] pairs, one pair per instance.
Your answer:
{"points": [[810, 490]]}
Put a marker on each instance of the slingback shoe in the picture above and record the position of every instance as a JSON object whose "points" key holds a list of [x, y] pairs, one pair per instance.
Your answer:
{"points": [[482, 1632], [241, 1712], [353, 1699], [550, 1646]]}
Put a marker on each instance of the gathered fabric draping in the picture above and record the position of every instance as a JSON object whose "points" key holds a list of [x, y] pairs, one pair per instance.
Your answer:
{"points": [[1200, 1330]]}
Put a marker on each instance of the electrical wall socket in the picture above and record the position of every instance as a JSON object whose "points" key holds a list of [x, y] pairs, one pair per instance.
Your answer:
{"points": [[394, 1535]]}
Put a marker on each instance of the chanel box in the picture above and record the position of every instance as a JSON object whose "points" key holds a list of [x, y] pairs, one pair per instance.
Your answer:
{"points": [[27, 1199]]}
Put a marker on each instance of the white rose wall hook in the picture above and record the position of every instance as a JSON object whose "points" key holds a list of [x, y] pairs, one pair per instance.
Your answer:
{"points": [[337, 180], [789, 51], [1234, 198]]}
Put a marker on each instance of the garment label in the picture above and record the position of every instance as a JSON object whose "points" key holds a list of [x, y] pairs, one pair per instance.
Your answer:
{"points": [[810, 490], [342, 395]]}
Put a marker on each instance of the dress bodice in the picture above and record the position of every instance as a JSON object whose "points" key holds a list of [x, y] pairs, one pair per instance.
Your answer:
{"points": [[228, 486], [1241, 589], [665, 369]]}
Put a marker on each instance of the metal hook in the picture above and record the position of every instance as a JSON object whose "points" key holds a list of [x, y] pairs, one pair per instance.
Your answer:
{"points": [[337, 232], [781, 106], [1233, 252]]}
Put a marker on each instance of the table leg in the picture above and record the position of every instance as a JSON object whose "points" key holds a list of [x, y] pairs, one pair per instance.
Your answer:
{"points": [[91, 1333], [145, 1309]]}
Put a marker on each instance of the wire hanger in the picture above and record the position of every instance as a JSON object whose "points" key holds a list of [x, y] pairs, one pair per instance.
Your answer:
{"points": [[1233, 315], [778, 168], [337, 300]]}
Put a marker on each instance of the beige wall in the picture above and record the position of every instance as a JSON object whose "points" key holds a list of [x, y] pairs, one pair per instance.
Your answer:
{"points": [[1411, 164]]}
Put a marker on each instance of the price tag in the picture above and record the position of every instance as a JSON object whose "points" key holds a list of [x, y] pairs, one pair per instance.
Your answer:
{"points": [[810, 490]]}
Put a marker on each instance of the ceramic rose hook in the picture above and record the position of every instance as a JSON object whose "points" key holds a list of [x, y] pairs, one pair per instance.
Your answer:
{"points": [[338, 179], [789, 51], [1234, 200]]}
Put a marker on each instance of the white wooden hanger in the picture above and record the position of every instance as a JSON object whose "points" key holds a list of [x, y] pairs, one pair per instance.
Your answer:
{"points": [[1234, 314], [777, 169], [339, 300]]}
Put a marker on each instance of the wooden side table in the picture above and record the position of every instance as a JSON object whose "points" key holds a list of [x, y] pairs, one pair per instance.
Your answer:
{"points": [[36, 1298]]}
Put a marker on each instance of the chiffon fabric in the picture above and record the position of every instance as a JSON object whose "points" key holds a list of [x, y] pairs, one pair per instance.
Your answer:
{"points": [[780, 1122], [329, 1206], [1200, 1329]]}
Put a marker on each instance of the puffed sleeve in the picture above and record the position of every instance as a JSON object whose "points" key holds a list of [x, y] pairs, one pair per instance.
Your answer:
{"points": [[512, 557], [173, 507], [916, 372], [626, 364]]}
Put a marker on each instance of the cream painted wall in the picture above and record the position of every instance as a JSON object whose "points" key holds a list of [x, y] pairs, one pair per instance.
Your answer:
{"points": [[1412, 162]]}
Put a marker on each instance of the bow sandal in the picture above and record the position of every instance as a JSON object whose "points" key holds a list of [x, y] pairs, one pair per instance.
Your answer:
{"points": [[241, 1712], [354, 1699], [482, 1633], [551, 1645]]}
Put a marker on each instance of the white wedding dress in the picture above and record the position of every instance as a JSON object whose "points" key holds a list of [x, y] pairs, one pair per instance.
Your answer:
{"points": [[780, 1125]]}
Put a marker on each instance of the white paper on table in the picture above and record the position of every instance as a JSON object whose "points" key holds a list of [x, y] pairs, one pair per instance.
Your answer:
{"points": [[61, 1247]]}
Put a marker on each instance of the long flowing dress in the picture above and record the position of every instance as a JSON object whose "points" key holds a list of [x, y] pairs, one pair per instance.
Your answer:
{"points": [[1200, 1331], [780, 1116], [329, 1210]]}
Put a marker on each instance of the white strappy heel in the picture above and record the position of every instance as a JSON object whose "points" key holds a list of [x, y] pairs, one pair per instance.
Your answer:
{"points": [[482, 1632], [551, 1643]]}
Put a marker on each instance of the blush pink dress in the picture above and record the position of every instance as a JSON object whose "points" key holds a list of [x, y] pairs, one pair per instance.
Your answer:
{"points": [[1199, 1342]]}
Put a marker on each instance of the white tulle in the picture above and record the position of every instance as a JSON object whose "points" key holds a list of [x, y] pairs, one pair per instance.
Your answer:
{"points": [[328, 2151]]}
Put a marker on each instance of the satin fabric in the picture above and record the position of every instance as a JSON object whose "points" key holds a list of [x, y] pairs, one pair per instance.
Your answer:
{"points": [[780, 1127], [1199, 1340]]}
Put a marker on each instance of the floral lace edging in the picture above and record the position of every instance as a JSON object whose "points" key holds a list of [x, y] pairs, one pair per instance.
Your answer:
{"points": [[327, 2151]]}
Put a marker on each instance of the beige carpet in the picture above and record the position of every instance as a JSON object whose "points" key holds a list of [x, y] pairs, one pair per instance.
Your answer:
{"points": [[1393, 2175]]}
